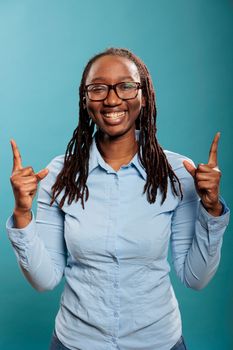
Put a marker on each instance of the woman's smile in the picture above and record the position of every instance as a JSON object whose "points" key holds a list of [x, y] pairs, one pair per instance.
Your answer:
{"points": [[114, 118], [114, 115]]}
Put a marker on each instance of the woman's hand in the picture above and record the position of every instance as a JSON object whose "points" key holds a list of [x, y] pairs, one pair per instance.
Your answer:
{"points": [[24, 182], [207, 180]]}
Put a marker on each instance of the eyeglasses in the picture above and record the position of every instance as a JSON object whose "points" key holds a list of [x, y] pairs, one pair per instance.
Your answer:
{"points": [[125, 90]]}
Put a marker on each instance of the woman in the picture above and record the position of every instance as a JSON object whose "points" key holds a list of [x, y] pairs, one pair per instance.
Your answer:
{"points": [[106, 213]]}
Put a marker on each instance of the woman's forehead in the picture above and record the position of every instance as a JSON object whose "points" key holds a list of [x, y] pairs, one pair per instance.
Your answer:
{"points": [[112, 68]]}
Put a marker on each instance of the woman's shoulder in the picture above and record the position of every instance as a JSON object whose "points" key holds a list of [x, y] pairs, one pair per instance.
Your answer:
{"points": [[54, 167], [56, 163], [176, 160]]}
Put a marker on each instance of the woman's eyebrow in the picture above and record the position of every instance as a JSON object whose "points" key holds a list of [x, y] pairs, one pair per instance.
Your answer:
{"points": [[123, 78]]}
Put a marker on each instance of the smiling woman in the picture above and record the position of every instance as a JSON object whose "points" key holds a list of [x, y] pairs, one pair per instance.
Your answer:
{"points": [[116, 132], [107, 211]]}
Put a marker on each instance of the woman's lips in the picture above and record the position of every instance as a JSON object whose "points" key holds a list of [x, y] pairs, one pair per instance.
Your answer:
{"points": [[114, 118], [114, 115]]}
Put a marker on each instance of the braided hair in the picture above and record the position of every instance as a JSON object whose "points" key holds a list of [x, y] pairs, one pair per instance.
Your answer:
{"points": [[73, 176]]}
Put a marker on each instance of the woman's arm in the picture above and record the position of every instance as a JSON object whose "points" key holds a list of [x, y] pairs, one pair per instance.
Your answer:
{"points": [[196, 237], [40, 246], [199, 222]]}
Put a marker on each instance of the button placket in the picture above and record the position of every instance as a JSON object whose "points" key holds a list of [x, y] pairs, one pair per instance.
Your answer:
{"points": [[113, 216], [116, 263]]}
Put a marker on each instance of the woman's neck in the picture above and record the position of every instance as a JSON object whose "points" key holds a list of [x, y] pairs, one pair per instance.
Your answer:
{"points": [[117, 151]]}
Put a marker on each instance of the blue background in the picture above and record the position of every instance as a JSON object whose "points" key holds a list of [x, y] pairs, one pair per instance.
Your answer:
{"points": [[44, 46]]}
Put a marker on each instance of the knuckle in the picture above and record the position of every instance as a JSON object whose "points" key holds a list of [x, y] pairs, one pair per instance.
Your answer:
{"points": [[34, 186], [34, 180], [14, 184], [14, 175], [213, 186], [201, 167], [30, 169]]}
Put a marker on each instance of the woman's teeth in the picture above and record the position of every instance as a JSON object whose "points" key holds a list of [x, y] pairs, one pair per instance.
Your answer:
{"points": [[114, 115]]}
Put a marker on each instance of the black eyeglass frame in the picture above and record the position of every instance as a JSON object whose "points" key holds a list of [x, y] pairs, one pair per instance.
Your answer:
{"points": [[113, 87]]}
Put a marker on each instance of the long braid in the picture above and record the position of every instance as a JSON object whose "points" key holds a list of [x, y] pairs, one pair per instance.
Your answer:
{"points": [[73, 176]]}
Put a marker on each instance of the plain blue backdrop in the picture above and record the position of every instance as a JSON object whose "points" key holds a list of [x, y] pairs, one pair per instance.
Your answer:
{"points": [[44, 46]]}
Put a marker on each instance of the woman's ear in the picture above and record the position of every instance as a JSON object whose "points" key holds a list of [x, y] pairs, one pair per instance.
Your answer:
{"points": [[143, 101]]}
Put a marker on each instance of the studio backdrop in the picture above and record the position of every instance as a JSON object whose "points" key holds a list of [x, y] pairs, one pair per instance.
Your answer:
{"points": [[44, 46]]}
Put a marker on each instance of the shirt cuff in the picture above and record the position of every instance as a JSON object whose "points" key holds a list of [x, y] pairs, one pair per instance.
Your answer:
{"points": [[209, 221], [213, 227], [20, 235], [21, 239]]}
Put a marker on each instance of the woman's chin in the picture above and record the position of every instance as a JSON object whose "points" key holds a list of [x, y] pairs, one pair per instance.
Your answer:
{"points": [[117, 130]]}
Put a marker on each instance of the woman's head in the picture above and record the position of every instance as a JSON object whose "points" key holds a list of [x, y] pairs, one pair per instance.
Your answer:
{"points": [[113, 96], [114, 63], [138, 112]]}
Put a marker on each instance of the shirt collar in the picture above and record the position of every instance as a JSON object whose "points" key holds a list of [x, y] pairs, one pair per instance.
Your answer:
{"points": [[136, 162], [97, 160], [95, 157]]}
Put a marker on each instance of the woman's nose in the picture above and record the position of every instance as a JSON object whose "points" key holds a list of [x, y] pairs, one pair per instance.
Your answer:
{"points": [[112, 99]]}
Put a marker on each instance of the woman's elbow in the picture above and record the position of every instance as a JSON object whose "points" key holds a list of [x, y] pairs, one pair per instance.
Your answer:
{"points": [[40, 283], [195, 283]]}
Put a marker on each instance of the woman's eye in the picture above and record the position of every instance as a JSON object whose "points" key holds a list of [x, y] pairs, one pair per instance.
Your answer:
{"points": [[98, 89], [127, 86]]}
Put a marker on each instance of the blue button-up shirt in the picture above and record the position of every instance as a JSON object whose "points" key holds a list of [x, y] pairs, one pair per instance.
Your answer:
{"points": [[113, 254]]}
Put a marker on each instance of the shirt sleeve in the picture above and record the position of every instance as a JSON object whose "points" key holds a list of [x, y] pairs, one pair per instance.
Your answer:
{"points": [[40, 247], [196, 237]]}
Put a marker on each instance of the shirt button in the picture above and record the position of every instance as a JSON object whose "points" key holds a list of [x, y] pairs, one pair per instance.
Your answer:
{"points": [[114, 340], [115, 285], [116, 260], [115, 314]]}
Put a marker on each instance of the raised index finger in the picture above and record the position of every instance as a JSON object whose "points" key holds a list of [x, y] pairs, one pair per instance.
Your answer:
{"points": [[213, 161], [17, 161]]}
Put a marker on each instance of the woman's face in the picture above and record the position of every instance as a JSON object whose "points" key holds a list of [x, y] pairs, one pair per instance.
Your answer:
{"points": [[114, 116]]}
